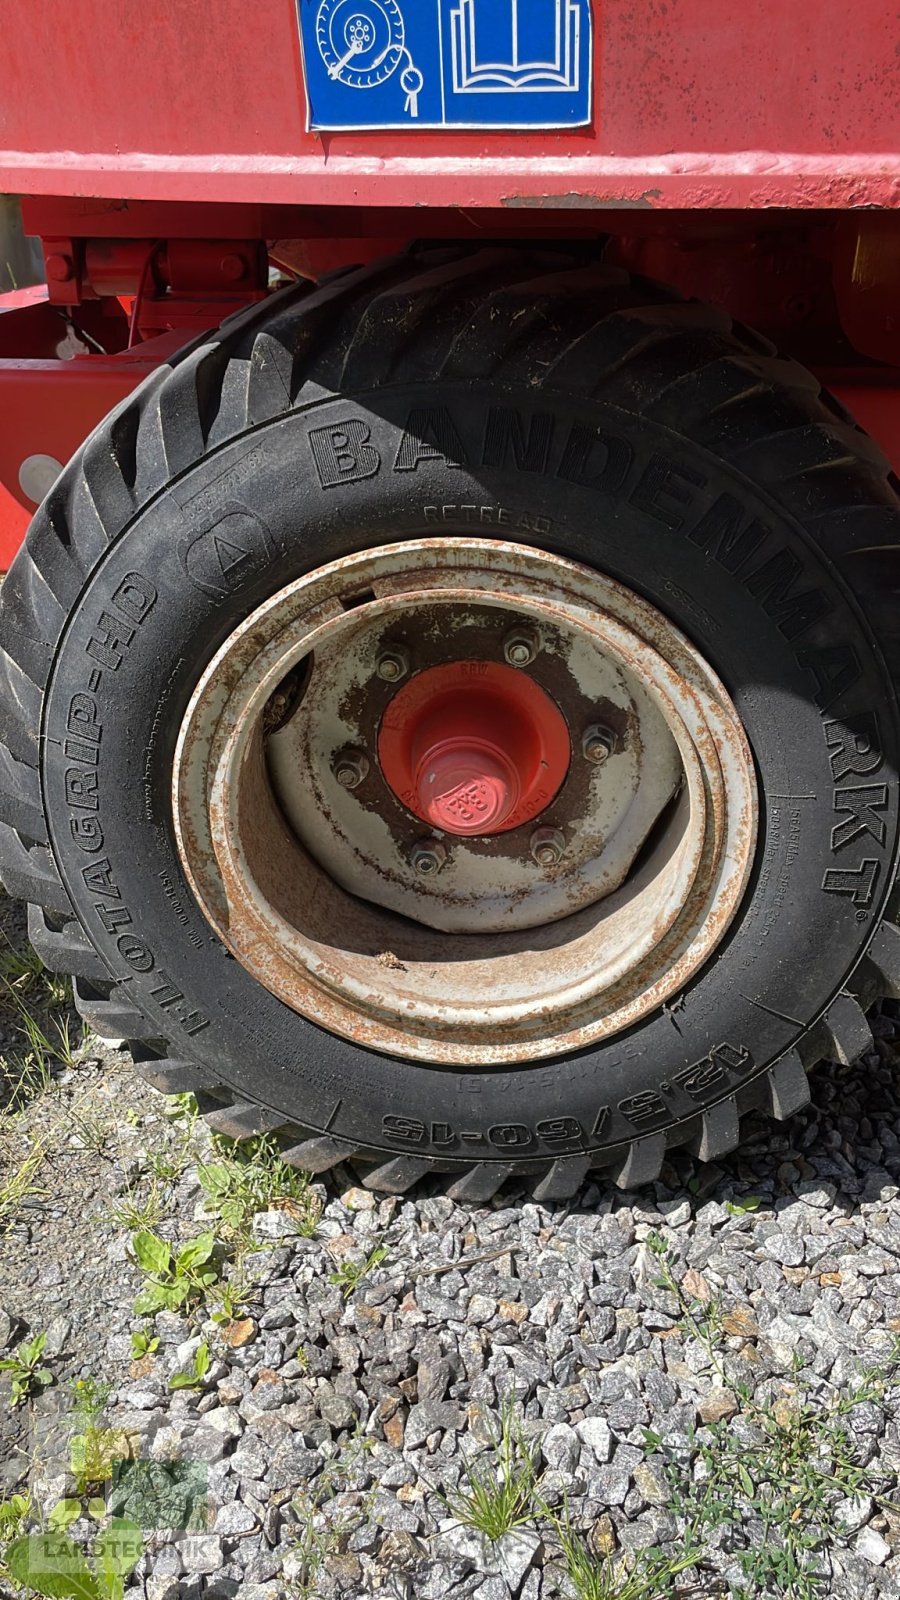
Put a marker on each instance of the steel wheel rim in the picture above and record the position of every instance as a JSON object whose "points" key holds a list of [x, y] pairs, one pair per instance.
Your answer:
{"points": [[451, 997]]}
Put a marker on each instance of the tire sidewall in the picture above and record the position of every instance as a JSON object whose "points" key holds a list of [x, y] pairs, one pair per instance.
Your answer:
{"points": [[587, 482]]}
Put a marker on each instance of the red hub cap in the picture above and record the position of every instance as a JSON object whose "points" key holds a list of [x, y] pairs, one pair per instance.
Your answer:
{"points": [[474, 747]]}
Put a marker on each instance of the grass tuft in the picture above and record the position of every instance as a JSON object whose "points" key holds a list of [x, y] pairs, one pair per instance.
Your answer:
{"points": [[19, 1185], [605, 1577], [500, 1487], [251, 1177]]}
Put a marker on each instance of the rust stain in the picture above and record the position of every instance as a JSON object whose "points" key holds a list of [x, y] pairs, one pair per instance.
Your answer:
{"points": [[573, 201]]}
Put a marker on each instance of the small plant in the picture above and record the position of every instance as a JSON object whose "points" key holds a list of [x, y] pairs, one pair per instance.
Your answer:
{"points": [[25, 1370], [58, 987], [19, 1186], [52, 1565], [317, 1538], [701, 1310], [167, 1166], [349, 1274], [231, 1300], [139, 1212], [143, 1344], [14, 1515], [89, 1397], [182, 1108], [777, 1491], [743, 1207], [593, 1577], [66, 1050], [20, 970], [175, 1279], [250, 1178], [501, 1486], [64, 1513], [787, 1486], [22, 1080], [198, 1370], [93, 1449], [24, 973]]}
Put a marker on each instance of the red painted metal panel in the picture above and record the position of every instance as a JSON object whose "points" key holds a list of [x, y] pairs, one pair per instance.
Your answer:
{"points": [[14, 521], [49, 405], [743, 102]]}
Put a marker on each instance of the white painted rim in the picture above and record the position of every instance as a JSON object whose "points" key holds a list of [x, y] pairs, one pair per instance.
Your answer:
{"points": [[364, 971]]}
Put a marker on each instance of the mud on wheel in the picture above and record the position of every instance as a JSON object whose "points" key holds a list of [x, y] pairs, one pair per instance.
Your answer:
{"points": [[449, 720]]}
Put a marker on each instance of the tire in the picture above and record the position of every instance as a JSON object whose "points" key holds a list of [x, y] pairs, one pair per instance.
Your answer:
{"points": [[727, 490]]}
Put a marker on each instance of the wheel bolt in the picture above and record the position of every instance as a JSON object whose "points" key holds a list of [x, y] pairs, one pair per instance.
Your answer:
{"points": [[547, 846], [427, 857], [350, 767], [393, 664], [520, 647], [597, 744]]}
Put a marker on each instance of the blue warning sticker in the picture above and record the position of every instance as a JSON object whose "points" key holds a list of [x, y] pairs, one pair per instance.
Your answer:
{"points": [[447, 63]]}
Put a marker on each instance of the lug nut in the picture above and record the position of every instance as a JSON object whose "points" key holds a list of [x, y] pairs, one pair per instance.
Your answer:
{"points": [[427, 857], [597, 744], [393, 664], [520, 647], [547, 846], [350, 767]]}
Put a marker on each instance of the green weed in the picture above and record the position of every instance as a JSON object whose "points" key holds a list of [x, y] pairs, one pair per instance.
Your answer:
{"points": [[27, 1376], [66, 1049], [167, 1166], [23, 1080], [175, 1280], [777, 1486], [198, 1370], [50, 1564], [140, 1210], [64, 1513], [24, 973], [603, 1577], [143, 1344], [19, 1185], [231, 1296], [316, 1538], [349, 1275], [701, 1310], [500, 1487], [14, 1515], [249, 1178]]}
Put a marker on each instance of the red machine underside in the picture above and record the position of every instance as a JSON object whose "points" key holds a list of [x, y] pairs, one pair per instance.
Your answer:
{"points": [[129, 283]]}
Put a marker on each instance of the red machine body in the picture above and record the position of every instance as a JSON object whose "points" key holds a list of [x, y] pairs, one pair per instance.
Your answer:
{"points": [[745, 152]]}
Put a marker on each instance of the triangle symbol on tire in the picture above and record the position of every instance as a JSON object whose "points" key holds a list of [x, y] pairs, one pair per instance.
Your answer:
{"points": [[230, 555]]}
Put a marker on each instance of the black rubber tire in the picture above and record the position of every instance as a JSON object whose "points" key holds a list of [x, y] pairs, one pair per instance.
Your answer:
{"points": [[673, 451]]}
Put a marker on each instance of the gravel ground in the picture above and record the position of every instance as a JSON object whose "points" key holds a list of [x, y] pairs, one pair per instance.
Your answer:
{"points": [[708, 1368]]}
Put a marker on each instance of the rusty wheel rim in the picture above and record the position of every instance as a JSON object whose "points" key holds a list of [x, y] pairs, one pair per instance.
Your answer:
{"points": [[509, 947]]}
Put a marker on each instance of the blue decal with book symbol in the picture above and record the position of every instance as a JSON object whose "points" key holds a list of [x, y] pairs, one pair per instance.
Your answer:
{"points": [[447, 63]]}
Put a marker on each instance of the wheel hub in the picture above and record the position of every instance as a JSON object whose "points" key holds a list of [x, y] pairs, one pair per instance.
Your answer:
{"points": [[474, 747], [441, 854]]}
